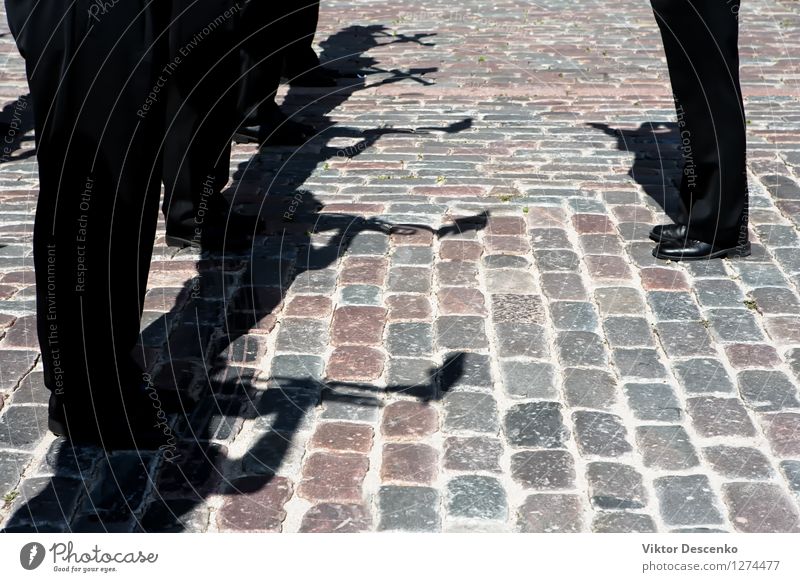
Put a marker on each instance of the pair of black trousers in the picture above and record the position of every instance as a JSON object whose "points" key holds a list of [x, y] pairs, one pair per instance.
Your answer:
{"points": [[99, 88], [701, 44], [277, 40]]}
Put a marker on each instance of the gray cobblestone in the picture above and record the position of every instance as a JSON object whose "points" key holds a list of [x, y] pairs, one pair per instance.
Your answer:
{"points": [[703, 375], [536, 424], [615, 486], [684, 338], [460, 332], [476, 497], [580, 348], [409, 339], [687, 500], [408, 509], [731, 325], [600, 433], [529, 380], [471, 411], [573, 316], [666, 447], [628, 332], [623, 522], [589, 388], [767, 390], [653, 402]]}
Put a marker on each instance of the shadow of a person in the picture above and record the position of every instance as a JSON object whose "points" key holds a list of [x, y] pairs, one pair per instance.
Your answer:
{"points": [[212, 339], [16, 121], [658, 161]]}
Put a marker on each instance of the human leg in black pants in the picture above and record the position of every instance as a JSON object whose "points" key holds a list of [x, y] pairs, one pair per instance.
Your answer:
{"points": [[268, 36], [201, 101], [301, 63], [701, 43], [90, 74]]}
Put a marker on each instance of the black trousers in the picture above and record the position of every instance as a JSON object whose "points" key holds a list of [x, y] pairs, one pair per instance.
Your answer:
{"points": [[278, 39], [99, 88], [200, 111], [701, 43]]}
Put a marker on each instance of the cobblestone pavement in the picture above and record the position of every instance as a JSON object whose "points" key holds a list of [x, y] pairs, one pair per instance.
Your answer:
{"points": [[516, 361]]}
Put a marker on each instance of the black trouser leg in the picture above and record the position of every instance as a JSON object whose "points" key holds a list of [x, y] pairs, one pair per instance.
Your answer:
{"points": [[90, 74], [200, 114], [701, 43], [265, 35], [301, 56]]}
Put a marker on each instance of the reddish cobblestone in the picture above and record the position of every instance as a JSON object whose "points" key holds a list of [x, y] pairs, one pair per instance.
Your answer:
{"points": [[343, 437], [409, 463], [317, 306], [408, 307], [363, 271], [461, 301], [356, 325], [336, 518], [255, 504], [408, 420], [355, 363], [658, 279], [333, 477], [455, 250]]}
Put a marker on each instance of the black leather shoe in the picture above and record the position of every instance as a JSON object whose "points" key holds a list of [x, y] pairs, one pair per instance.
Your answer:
{"points": [[695, 250], [138, 425], [227, 232], [668, 232]]}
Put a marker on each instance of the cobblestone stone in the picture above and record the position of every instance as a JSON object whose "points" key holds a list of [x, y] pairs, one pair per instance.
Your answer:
{"points": [[543, 470], [476, 497], [761, 507], [551, 513], [653, 402], [471, 411], [529, 380], [719, 417], [666, 447], [767, 390], [536, 424], [615, 486], [623, 522], [589, 388], [687, 500], [408, 508], [739, 462]]}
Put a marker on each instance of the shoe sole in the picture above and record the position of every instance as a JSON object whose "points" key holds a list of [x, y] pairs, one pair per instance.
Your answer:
{"points": [[659, 239], [732, 253]]}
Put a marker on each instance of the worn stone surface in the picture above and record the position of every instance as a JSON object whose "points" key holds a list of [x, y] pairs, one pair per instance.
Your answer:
{"points": [[462, 326]]}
